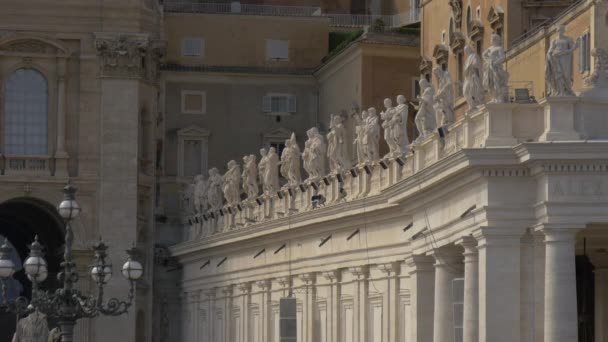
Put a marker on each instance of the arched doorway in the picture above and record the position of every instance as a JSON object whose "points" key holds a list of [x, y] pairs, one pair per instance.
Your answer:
{"points": [[21, 219]]}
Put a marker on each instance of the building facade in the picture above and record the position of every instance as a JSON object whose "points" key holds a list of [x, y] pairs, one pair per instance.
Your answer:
{"points": [[493, 229]]}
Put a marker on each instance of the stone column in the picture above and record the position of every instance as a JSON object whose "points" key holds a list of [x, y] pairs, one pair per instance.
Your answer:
{"points": [[210, 313], [334, 304], [600, 262], [560, 285], [447, 268], [227, 292], [422, 279], [245, 290], [499, 279], [360, 303], [308, 313], [527, 288], [471, 290], [195, 299], [265, 313], [539, 287], [391, 302], [61, 111]]}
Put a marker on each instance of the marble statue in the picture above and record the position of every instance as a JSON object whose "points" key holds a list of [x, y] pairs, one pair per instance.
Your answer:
{"points": [[250, 176], [187, 197], [232, 183], [599, 77], [402, 111], [200, 194], [262, 167], [336, 145], [33, 328], [558, 69], [314, 154], [495, 78], [425, 117], [55, 335], [444, 96], [371, 139], [472, 88], [392, 128], [359, 137], [215, 193], [271, 171], [290, 162]]}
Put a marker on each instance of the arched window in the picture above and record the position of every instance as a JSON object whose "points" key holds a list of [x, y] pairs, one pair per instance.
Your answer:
{"points": [[469, 19], [26, 113], [451, 31]]}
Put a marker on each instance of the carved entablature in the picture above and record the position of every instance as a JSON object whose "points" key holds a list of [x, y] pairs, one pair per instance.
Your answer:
{"points": [[426, 65], [129, 55], [441, 53], [476, 31], [32, 46], [456, 6], [496, 18], [457, 42]]}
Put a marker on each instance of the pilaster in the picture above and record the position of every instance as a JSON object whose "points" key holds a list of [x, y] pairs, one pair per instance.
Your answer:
{"points": [[308, 314], [334, 278], [391, 301], [471, 289], [422, 279], [360, 303], [599, 260]]}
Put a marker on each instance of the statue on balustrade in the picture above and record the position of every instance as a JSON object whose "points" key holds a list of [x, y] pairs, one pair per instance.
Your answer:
{"points": [[290, 162], [232, 183], [425, 117], [271, 171], [359, 136], [215, 194], [336, 145], [402, 111], [250, 176], [472, 88], [371, 138], [201, 187], [33, 328], [392, 128], [558, 70], [599, 77], [444, 97], [262, 168], [314, 154], [495, 78]]}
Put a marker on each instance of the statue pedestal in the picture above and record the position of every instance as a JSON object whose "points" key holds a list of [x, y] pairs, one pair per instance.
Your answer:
{"points": [[559, 119], [499, 124]]}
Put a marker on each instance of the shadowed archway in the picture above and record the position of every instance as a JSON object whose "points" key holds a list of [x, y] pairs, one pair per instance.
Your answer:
{"points": [[21, 219]]}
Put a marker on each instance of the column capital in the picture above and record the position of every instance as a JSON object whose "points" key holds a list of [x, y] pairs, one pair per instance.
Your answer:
{"points": [[244, 288], [332, 276], [419, 263], [284, 281], [308, 278], [498, 236], [228, 290], [264, 284], [390, 268], [211, 293], [468, 242], [559, 233], [360, 272]]}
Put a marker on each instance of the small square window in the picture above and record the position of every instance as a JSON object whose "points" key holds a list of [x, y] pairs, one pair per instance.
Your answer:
{"points": [[277, 49], [193, 47], [194, 102]]}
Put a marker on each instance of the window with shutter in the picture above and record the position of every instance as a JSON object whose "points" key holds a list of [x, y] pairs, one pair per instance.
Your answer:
{"points": [[279, 103], [193, 47], [584, 53], [277, 49]]}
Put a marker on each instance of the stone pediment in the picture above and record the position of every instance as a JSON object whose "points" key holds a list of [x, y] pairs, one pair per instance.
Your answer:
{"points": [[18, 44], [441, 53], [193, 131], [496, 17], [277, 133], [457, 42], [426, 64], [476, 30]]}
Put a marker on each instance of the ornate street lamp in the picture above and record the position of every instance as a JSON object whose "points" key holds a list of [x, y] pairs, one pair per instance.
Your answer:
{"points": [[67, 305]]}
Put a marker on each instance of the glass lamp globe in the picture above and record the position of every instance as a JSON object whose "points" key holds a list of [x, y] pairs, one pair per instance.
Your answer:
{"points": [[101, 274], [36, 268], [69, 209], [132, 269], [7, 268]]}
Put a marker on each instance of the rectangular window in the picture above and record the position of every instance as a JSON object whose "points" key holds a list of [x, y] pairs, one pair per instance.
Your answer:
{"points": [[193, 47], [193, 154], [277, 49], [194, 102], [279, 103], [584, 53]]}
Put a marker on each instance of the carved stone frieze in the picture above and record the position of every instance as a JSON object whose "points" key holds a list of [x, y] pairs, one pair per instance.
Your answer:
{"points": [[29, 46], [129, 55]]}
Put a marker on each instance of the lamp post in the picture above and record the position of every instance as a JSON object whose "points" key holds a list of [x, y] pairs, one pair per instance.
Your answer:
{"points": [[67, 305]]}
